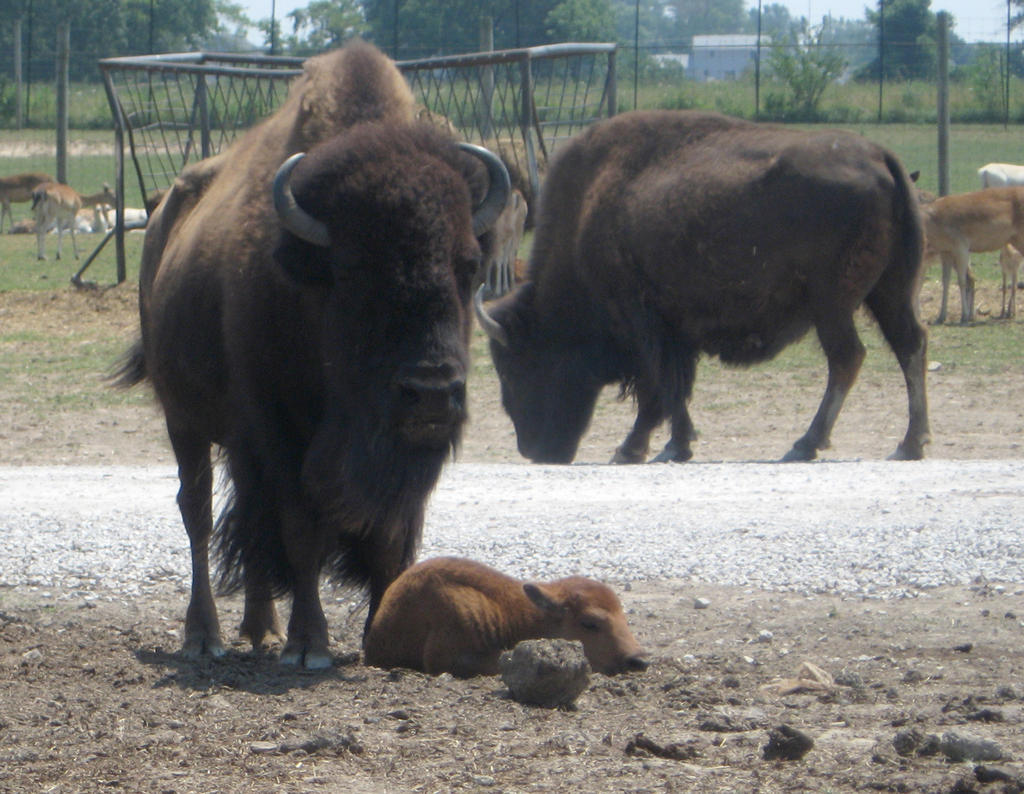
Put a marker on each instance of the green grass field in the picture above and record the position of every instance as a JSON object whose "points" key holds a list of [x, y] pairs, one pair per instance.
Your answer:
{"points": [[986, 349]]}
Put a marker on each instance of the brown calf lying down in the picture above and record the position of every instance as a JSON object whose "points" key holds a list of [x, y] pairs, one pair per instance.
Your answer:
{"points": [[957, 226], [452, 615]]}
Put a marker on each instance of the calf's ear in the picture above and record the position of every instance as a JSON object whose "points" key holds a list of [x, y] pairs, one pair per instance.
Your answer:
{"points": [[542, 600]]}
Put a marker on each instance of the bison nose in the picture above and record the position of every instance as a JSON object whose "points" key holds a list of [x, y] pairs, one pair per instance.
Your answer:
{"points": [[637, 664], [431, 403]]}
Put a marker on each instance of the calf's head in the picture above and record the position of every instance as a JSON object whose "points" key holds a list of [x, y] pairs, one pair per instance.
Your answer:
{"points": [[581, 609]]}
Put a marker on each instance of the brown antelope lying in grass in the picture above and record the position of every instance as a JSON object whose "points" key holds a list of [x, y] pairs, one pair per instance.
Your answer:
{"points": [[18, 188], [57, 205], [956, 226], [452, 615]]}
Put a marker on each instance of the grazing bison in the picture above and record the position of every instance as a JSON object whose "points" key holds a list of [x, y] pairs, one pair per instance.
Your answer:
{"points": [[662, 235], [318, 336], [450, 615]]}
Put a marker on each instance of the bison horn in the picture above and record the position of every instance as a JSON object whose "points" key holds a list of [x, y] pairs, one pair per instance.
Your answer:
{"points": [[491, 326], [488, 210], [293, 217]]}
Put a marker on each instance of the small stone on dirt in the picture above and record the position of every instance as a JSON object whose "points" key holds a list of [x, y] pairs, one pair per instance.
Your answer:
{"points": [[786, 743], [964, 747], [641, 745], [548, 673], [913, 742], [996, 774]]}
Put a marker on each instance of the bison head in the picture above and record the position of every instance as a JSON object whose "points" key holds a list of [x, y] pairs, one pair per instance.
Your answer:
{"points": [[549, 384], [380, 231]]}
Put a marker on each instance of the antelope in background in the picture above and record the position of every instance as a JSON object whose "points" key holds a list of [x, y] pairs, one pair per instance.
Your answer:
{"points": [[957, 226], [1001, 175], [1009, 262], [18, 188], [57, 205]]}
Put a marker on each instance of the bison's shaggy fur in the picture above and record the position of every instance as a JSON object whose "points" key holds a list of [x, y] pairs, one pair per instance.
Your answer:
{"points": [[664, 235], [331, 371]]}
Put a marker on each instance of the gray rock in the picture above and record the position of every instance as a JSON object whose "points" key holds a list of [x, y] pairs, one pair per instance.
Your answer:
{"points": [[913, 742], [786, 743], [548, 673], [964, 747]]}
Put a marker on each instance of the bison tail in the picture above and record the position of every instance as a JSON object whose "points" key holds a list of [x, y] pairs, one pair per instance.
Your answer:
{"points": [[908, 221], [131, 369]]}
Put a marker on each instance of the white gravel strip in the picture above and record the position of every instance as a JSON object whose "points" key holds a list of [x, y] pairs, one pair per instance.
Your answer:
{"points": [[858, 528]]}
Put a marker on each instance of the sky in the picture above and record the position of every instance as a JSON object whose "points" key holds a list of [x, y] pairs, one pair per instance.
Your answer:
{"points": [[976, 20]]}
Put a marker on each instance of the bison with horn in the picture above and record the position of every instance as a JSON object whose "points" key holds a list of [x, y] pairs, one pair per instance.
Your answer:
{"points": [[664, 235], [310, 315]]}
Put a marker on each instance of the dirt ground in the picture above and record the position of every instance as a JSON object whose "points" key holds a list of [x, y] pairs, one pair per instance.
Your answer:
{"points": [[94, 696]]}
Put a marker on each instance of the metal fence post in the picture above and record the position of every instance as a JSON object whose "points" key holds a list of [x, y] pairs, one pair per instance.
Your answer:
{"points": [[487, 80], [526, 121], [943, 101], [19, 101], [613, 86], [63, 61], [204, 115]]}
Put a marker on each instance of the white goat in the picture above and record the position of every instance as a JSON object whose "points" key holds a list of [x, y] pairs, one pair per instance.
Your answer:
{"points": [[1001, 175], [56, 206], [18, 188]]}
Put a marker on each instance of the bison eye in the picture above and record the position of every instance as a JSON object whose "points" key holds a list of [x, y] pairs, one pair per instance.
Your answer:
{"points": [[591, 624]]}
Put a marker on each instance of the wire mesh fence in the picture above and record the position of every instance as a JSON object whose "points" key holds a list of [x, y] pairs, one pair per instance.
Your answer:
{"points": [[172, 110]]}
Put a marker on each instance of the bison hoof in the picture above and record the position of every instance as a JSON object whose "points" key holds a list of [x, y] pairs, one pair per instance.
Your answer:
{"points": [[198, 646], [907, 451], [673, 454], [799, 454], [296, 656], [624, 456]]}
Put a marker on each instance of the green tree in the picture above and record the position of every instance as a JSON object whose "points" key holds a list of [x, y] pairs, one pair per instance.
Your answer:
{"points": [[106, 28], [806, 65], [322, 25], [776, 21], [656, 26], [908, 44], [701, 17], [581, 20], [436, 27]]}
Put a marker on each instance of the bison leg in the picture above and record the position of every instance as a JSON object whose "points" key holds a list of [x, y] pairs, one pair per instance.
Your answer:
{"points": [[386, 559], [260, 623], [845, 353], [202, 629], [307, 627], [898, 321], [678, 450], [649, 415]]}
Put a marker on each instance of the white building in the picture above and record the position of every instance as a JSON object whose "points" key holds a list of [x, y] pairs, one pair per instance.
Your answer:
{"points": [[724, 57]]}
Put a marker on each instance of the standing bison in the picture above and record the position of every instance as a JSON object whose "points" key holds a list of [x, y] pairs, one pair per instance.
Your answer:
{"points": [[662, 235], [310, 315]]}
